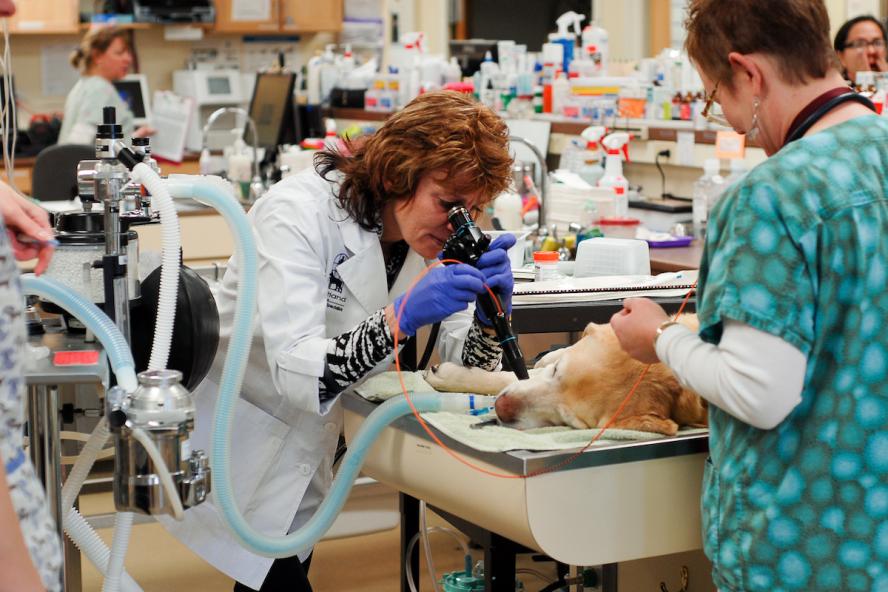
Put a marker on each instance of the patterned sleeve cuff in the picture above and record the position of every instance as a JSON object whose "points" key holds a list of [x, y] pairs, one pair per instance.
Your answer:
{"points": [[354, 353], [482, 350]]}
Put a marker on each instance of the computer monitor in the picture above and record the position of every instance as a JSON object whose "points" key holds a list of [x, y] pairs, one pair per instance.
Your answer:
{"points": [[271, 109], [133, 89], [469, 53]]}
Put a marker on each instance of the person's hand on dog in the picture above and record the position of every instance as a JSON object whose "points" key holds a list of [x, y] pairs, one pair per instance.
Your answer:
{"points": [[497, 270], [636, 326], [442, 292]]}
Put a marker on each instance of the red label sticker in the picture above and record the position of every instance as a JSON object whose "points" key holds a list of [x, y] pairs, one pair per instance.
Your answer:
{"points": [[76, 358]]}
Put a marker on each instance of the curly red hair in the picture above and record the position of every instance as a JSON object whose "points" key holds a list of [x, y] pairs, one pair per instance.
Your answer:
{"points": [[441, 131]]}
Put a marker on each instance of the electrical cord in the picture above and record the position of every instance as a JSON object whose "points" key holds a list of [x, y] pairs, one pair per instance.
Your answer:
{"points": [[665, 154], [7, 109]]}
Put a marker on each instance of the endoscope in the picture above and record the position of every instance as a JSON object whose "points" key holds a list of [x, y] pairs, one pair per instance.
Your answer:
{"points": [[467, 244]]}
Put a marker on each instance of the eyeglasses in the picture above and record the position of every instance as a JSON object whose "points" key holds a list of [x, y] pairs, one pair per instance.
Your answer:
{"points": [[862, 44], [712, 110]]}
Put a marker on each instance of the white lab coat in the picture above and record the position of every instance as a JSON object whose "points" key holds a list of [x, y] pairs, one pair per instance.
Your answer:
{"points": [[284, 438]]}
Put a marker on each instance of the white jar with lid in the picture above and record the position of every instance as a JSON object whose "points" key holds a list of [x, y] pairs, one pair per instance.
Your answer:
{"points": [[545, 266]]}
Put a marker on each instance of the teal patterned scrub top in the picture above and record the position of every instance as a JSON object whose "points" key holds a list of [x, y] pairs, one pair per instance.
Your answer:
{"points": [[799, 249]]}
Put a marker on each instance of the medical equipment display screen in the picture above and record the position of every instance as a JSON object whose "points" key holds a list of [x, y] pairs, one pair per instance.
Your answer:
{"points": [[271, 104], [218, 85], [131, 93]]}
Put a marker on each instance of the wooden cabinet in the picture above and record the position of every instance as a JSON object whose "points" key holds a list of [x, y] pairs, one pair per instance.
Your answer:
{"points": [[45, 16], [228, 21], [311, 15], [291, 16]]}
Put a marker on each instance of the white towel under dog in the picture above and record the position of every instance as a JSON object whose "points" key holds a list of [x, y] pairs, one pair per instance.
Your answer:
{"points": [[495, 438]]}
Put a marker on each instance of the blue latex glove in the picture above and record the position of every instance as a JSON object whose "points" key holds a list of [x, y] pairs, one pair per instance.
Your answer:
{"points": [[442, 292], [497, 270]]}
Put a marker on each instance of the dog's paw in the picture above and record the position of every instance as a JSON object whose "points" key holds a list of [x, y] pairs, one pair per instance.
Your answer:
{"points": [[447, 377]]}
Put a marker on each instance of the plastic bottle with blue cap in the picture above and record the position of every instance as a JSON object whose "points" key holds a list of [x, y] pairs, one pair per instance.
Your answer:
{"points": [[565, 37]]}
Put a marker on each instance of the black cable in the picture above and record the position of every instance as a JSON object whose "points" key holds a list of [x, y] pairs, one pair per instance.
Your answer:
{"points": [[430, 346], [666, 154]]}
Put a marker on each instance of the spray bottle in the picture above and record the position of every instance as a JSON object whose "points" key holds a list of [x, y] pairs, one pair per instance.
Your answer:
{"points": [[591, 170], [565, 37], [615, 144], [596, 48]]}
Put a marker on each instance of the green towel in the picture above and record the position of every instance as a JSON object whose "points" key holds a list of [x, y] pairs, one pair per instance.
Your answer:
{"points": [[494, 438]]}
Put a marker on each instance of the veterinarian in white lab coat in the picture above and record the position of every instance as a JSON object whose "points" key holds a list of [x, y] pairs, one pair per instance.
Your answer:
{"points": [[338, 247]]}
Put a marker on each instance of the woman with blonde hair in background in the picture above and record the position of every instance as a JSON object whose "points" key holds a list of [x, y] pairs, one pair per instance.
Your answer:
{"points": [[104, 56]]}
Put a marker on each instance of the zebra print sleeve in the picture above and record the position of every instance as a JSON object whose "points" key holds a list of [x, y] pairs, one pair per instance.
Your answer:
{"points": [[481, 349], [354, 353]]}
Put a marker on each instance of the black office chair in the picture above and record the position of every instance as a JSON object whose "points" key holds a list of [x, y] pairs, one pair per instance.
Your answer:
{"points": [[55, 171]]}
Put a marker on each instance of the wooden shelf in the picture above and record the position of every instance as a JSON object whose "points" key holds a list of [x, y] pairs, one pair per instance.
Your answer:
{"points": [[128, 26]]}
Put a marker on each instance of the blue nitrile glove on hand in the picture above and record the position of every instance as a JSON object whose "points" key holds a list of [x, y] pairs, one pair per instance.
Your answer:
{"points": [[442, 292], [497, 270]]}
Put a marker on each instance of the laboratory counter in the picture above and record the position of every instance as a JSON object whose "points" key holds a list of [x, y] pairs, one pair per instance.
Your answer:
{"points": [[23, 171], [676, 259]]}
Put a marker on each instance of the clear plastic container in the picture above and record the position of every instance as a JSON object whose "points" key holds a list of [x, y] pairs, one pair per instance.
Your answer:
{"points": [[545, 266], [707, 189], [619, 227]]}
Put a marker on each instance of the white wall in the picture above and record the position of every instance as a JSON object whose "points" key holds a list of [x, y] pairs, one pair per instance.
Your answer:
{"points": [[626, 23]]}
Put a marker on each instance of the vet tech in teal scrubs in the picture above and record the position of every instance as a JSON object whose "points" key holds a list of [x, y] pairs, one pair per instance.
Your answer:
{"points": [[793, 303]]}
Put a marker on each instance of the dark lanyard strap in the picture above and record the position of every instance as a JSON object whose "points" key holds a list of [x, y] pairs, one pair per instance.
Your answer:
{"points": [[797, 130]]}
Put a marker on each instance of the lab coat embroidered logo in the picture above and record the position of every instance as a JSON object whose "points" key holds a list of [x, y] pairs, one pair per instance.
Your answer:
{"points": [[335, 299]]}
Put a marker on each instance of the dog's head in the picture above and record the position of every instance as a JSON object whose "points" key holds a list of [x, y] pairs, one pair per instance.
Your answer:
{"points": [[564, 376], [583, 385]]}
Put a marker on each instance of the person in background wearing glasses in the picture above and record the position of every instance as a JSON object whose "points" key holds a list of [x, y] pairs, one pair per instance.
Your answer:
{"points": [[792, 352], [860, 46]]}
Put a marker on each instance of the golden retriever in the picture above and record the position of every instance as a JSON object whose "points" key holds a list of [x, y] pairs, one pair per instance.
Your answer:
{"points": [[582, 386]]}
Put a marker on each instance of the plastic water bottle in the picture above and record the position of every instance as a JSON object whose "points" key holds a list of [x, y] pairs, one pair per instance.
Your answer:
{"points": [[707, 190], [507, 209], [738, 171]]}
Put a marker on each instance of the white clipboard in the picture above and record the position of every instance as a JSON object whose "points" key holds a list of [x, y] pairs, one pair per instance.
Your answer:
{"points": [[171, 117]]}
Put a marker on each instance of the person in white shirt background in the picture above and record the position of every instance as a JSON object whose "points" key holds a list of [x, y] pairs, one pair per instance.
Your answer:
{"points": [[104, 56]]}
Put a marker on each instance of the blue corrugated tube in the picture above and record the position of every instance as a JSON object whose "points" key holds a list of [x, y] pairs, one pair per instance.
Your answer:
{"points": [[216, 193], [93, 319]]}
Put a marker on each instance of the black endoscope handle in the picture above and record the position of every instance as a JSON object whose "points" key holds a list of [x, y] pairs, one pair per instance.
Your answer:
{"points": [[469, 243]]}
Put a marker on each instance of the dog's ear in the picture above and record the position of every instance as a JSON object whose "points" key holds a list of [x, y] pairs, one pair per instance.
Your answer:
{"points": [[590, 329], [570, 418], [551, 357]]}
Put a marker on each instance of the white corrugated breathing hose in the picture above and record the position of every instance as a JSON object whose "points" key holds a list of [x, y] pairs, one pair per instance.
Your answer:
{"points": [[160, 353], [111, 562], [169, 271]]}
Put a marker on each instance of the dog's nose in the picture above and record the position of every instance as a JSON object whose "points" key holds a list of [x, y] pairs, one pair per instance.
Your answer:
{"points": [[507, 408]]}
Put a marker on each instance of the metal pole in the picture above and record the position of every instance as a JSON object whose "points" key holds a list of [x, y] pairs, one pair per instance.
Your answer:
{"points": [[46, 454], [544, 176]]}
